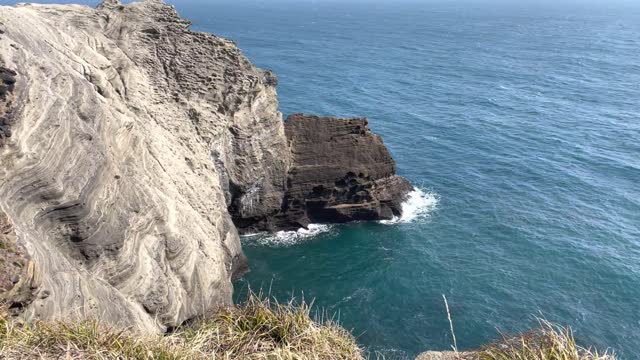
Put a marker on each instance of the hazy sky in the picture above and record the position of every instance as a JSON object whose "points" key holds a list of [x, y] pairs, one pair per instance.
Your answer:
{"points": [[548, 6], [513, 2]]}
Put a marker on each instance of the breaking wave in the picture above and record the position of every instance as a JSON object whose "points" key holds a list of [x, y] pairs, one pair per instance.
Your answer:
{"points": [[288, 238], [418, 206]]}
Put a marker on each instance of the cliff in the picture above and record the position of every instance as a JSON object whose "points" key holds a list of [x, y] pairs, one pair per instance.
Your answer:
{"points": [[126, 133], [131, 147]]}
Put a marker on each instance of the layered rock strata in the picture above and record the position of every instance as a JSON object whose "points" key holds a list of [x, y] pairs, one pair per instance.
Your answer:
{"points": [[130, 145], [339, 172], [125, 138]]}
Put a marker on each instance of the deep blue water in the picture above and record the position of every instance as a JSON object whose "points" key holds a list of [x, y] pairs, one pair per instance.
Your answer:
{"points": [[521, 119]]}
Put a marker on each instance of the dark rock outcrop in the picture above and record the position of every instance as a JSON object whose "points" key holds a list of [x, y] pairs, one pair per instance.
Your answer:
{"points": [[17, 283], [340, 172], [7, 84]]}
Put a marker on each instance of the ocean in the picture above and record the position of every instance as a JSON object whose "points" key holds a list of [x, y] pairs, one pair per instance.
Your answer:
{"points": [[519, 124]]}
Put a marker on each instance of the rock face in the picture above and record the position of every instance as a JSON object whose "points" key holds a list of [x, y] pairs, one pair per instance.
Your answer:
{"points": [[16, 277], [130, 145], [129, 137], [340, 172], [7, 83]]}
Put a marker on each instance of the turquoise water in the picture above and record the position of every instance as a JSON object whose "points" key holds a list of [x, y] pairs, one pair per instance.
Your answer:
{"points": [[520, 123], [522, 120]]}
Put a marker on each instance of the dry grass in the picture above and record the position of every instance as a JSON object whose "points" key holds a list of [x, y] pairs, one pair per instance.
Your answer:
{"points": [[547, 342], [258, 329]]}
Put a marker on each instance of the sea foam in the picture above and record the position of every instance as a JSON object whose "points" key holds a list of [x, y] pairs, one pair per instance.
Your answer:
{"points": [[288, 238], [418, 206]]}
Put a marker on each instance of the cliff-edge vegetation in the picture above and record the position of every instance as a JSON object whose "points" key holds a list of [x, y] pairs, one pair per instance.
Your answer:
{"points": [[257, 329]]}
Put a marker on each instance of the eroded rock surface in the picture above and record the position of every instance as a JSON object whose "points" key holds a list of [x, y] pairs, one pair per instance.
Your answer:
{"points": [[130, 145], [7, 84], [340, 172], [124, 137], [17, 282]]}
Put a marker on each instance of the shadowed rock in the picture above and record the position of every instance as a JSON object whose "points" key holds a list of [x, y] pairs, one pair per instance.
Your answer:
{"points": [[340, 172], [17, 283], [7, 84]]}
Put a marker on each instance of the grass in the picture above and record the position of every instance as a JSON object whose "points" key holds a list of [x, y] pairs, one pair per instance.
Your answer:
{"points": [[261, 329], [547, 342], [257, 329]]}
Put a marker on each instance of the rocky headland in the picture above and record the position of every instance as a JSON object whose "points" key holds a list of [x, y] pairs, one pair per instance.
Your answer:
{"points": [[133, 152], [339, 171]]}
